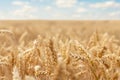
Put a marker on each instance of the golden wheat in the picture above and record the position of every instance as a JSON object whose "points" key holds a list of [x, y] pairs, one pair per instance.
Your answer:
{"points": [[58, 55]]}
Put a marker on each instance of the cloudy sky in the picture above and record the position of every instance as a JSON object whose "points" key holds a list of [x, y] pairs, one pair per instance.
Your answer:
{"points": [[60, 9]]}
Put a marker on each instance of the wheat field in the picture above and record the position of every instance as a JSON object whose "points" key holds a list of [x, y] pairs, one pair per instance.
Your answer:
{"points": [[59, 50]]}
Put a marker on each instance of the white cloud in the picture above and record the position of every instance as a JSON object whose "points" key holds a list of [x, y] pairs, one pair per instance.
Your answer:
{"points": [[48, 8], [2, 16], [19, 3], [38, 0], [113, 14], [5, 15], [58, 15], [107, 4], [24, 10], [76, 15], [81, 10], [82, 3], [65, 3]]}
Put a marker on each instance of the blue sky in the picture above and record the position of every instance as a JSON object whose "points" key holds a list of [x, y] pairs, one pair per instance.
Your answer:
{"points": [[60, 9]]}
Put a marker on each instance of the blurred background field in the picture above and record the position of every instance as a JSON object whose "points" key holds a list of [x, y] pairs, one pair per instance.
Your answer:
{"points": [[81, 28]]}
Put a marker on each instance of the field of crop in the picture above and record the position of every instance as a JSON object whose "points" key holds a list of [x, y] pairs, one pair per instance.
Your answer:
{"points": [[59, 50]]}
